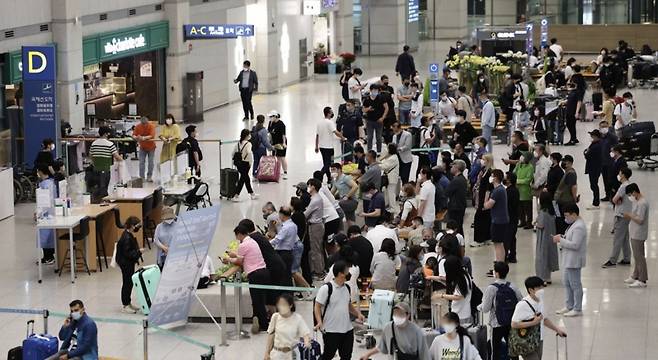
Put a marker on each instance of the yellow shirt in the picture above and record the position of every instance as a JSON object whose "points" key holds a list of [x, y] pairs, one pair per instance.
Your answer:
{"points": [[169, 148], [608, 109]]}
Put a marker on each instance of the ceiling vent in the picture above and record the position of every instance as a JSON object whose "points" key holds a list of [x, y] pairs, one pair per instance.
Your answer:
{"points": [[102, 17], [132, 12], [158, 7], [9, 34], [44, 27]]}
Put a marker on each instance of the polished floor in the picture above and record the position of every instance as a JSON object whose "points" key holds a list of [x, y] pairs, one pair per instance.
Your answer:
{"points": [[618, 322]]}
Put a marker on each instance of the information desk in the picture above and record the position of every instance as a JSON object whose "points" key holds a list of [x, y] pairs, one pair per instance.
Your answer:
{"points": [[59, 223], [129, 201], [101, 218]]}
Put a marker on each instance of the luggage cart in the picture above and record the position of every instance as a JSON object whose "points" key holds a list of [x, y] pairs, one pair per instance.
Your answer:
{"points": [[648, 162]]}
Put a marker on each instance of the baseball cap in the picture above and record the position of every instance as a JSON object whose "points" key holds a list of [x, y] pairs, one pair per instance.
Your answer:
{"points": [[403, 306], [273, 113], [300, 186], [595, 132]]}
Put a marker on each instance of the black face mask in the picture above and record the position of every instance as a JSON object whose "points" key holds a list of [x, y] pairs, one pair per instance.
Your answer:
{"points": [[348, 276], [137, 228], [265, 216]]}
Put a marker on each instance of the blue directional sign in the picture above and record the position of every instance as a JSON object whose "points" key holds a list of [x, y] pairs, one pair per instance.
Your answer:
{"points": [[217, 31], [529, 28], [434, 82], [544, 32], [434, 68]]}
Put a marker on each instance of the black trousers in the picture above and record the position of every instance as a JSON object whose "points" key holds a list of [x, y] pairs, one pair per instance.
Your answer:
{"points": [[331, 228], [287, 257], [594, 185], [341, 342], [245, 96], [510, 239], [423, 161], [458, 216], [571, 126], [525, 212], [100, 191], [606, 173], [244, 180], [259, 296], [306, 266], [127, 272], [500, 333], [405, 169], [327, 155]]}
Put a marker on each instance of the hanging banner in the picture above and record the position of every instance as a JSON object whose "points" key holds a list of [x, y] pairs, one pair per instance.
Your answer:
{"points": [[529, 27], [193, 234], [544, 32], [40, 99]]}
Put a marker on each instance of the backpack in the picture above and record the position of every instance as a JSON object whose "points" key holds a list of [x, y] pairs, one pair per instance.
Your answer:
{"points": [[505, 303], [330, 290], [413, 213], [237, 156], [255, 138], [476, 299]]}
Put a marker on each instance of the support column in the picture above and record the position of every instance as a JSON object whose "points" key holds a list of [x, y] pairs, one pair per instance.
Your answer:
{"points": [[67, 34], [266, 63], [385, 28], [504, 12], [344, 27], [178, 14], [447, 19]]}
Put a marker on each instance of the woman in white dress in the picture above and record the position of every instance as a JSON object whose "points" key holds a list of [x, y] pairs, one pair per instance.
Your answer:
{"points": [[391, 169]]}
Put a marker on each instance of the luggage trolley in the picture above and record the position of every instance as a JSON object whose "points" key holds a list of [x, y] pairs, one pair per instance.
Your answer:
{"points": [[639, 142], [647, 162]]}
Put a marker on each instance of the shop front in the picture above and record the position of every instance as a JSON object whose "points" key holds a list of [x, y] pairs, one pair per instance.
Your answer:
{"points": [[124, 73]]}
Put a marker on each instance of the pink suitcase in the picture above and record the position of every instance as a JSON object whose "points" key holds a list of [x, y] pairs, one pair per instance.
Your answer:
{"points": [[268, 169], [589, 111]]}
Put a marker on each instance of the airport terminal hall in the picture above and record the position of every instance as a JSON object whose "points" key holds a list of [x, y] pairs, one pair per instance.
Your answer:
{"points": [[328, 179]]}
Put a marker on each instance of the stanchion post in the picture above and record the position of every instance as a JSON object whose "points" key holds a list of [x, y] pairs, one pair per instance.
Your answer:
{"points": [[222, 296], [45, 321], [220, 154], [145, 327]]}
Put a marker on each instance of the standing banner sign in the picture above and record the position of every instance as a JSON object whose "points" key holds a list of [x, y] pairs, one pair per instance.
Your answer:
{"points": [[434, 83], [193, 234], [544, 32], [40, 99], [529, 29]]}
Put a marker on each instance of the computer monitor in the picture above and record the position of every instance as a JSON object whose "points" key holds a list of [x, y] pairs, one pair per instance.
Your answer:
{"points": [[181, 163], [165, 171]]}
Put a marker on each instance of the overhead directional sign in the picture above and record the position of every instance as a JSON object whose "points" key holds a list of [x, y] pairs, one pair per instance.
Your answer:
{"points": [[217, 31]]}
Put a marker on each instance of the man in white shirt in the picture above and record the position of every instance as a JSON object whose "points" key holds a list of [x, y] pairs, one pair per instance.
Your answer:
{"points": [[326, 138], [529, 312], [557, 49], [426, 197], [354, 86], [488, 119], [447, 107], [377, 234], [625, 113]]}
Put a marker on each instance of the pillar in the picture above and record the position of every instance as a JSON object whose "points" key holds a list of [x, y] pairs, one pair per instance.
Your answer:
{"points": [[267, 56], [385, 29], [344, 27], [178, 14], [447, 19], [500, 12], [67, 34]]}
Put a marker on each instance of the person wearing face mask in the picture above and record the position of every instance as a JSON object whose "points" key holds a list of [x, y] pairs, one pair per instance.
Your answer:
{"points": [[620, 230], [555, 174], [593, 167], [514, 208], [164, 234], [456, 193], [405, 66], [529, 317], [426, 194], [128, 255], [401, 338], [243, 148], [481, 86], [608, 141], [383, 266], [573, 247], [455, 343], [488, 119], [376, 110], [332, 310], [465, 103], [482, 219], [572, 114], [539, 126], [247, 81], [542, 166], [416, 112], [170, 136], [285, 330], [390, 165], [618, 163], [639, 232], [625, 113], [144, 134], [349, 123], [496, 201], [286, 238], [566, 192], [272, 219], [83, 328], [520, 118], [404, 101], [519, 146], [326, 138], [344, 188], [447, 107], [45, 158]]}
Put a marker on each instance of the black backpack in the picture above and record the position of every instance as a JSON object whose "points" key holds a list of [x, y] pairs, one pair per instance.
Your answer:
{"points": [[505, 303], [255, 138], [476, 299], [237, 156], [326, 305]]}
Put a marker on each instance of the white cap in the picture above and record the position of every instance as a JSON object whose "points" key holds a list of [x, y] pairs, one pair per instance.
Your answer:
{"points": [[273, 113]]}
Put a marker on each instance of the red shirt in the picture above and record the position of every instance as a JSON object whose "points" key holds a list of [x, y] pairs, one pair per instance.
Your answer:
{"points": [[147, 129]]}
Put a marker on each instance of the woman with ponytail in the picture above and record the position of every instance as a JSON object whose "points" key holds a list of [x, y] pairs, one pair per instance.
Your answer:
{"points": [[454, 344]]}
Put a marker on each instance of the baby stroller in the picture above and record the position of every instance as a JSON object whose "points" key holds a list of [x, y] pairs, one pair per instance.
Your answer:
{"points": [[200, 195]]}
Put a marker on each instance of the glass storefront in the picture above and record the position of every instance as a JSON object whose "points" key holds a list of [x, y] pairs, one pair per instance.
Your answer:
{"points": [[589, 12]]}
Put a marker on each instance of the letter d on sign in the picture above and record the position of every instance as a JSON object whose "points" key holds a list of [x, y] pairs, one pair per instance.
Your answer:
{"points": [[30, 62]]}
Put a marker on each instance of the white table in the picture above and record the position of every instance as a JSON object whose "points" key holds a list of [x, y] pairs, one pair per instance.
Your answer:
{"points": [[60, 223], [177, 191]]}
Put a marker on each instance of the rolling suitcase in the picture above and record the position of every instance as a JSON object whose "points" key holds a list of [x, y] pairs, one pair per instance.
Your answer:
{"points": [[381, 308], [268, 169], [589, 111], [557, 348], [228, 182], [597, 101], [38, 347], [15, 353], [145, 282], [478, 334], [314, 352]]}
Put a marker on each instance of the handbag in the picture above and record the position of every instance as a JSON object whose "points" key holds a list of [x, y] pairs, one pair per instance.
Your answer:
{"points": [[384, 181], [113, 263], [525, 341]]}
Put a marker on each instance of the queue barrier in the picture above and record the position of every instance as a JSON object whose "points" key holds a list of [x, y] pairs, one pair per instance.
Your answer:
{"points": [[209, 355]]}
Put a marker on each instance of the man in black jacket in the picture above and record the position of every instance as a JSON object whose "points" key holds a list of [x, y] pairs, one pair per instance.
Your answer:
{"points": [[618, 163], [363, 247], [608, 140], [456, 192], [513, 203], [555, 173], [593, 165], [405, 66], [247, 81]]}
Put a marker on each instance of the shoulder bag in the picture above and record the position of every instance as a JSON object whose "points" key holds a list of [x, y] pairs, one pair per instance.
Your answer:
{"points": [[525, 341]]}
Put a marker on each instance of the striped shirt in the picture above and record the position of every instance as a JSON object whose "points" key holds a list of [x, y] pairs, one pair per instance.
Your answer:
{"points": [[102, 151]]}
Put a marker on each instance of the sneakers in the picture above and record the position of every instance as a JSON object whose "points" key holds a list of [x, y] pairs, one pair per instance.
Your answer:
{"points": [[562, 311], [128, 310], [285, 175], [573, 313], [625, 263], [593, 207], [638, 284], [255, 326], [629, 281], [608, 264], [254, 196], [236, 198], [50, 261], [135, 307]]}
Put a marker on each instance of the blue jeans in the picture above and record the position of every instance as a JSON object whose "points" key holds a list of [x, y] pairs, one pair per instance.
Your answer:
{"points": [[486, 133], [258, 153], [143, 154], [405, 117], [574, 288], [374, 128]]}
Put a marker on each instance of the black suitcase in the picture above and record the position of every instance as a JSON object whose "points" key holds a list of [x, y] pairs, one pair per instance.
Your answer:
{"points": [[635, 140], [228, 182], [597, 101], [15, 353]]}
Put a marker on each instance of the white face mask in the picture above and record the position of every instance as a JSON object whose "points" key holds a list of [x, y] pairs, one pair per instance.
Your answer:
{"points": [[444, 98], [569, 220], [76, 315], [52, 147], [604, 130], [169, 121], [612, 154], [491, 179], [476, 147], [334, 175], [539, 294], [619, 178], [399, 320], [169, 221], [518, 107], [450, 328], [483, 162], [283, 309], [536, 154], [537, 113]]}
